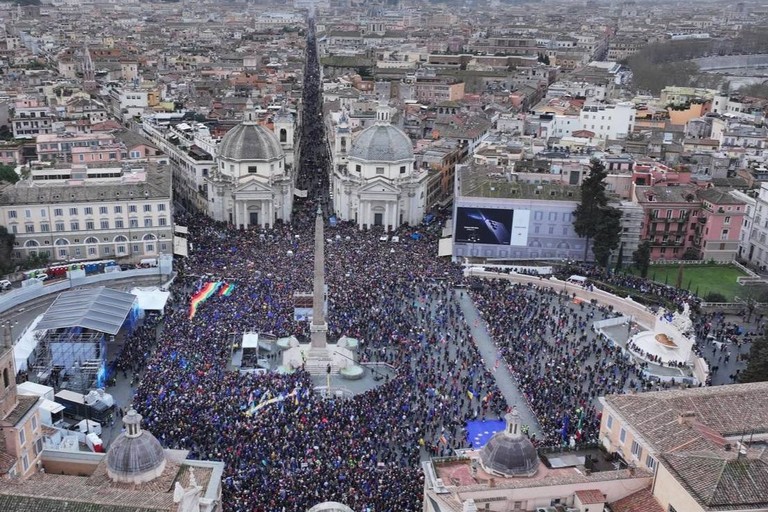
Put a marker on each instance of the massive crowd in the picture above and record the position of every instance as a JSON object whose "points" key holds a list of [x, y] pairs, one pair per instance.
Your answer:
{"points": [[559, 363], [395, 297], [402, 303]]}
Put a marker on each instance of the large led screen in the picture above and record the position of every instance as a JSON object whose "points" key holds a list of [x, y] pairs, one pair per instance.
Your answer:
{"points": [[484, 225]]}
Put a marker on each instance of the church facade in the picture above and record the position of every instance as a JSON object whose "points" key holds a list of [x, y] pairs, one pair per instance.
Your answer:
{"points": [[252, 185], [375, 182]]}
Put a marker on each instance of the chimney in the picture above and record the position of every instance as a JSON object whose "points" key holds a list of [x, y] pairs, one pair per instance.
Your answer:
{"points": [[492, 482]]}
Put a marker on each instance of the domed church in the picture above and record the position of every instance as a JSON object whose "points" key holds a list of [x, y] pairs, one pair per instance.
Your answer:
{"points": [[379, 185], [509, 453], [252, 184]]}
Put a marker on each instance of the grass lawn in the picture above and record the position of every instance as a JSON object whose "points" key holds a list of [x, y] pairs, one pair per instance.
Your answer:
{"points": [[701, 279]]}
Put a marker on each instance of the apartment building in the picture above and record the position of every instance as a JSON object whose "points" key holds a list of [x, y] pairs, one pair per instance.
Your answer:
{"points": [[608, 121], [90, 212], [685, 219], [69, 147], [757, 243], [31, 117], [20, 427], [191, 151]]}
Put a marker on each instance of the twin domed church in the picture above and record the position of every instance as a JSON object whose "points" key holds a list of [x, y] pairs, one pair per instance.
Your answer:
{"points": [[374, 182]]}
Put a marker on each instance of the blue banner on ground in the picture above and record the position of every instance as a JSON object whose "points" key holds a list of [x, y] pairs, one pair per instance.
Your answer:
{"points": [[479, 432]]}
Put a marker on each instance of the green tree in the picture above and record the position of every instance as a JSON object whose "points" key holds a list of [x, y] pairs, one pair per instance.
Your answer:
{"points": [[757, 365], [6, 247], [642, 258], [620, 258], [593, 218], [691, 253], [608, 234], [8, 173]]}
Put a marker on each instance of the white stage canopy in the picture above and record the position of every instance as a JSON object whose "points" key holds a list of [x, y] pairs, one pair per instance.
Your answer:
{"points": [[151, 299]]}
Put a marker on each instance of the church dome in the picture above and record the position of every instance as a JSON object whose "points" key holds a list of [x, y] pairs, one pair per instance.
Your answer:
{"points": [[330, 506], [250, 141], [382, 142], [135, 456], [509, 453]]}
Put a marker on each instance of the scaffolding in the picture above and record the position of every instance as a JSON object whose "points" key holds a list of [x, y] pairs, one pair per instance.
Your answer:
{"points": [[73, 335], [71, 358]]}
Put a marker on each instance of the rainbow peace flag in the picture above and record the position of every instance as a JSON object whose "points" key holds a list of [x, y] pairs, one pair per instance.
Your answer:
{"points": [[226, 290], [204, 294]]}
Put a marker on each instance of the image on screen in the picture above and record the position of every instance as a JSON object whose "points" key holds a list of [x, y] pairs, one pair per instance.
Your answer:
{"points": [[483, 225]]}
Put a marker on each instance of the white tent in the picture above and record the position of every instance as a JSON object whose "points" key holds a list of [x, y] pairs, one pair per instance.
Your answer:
{"points": [[151, 299]]}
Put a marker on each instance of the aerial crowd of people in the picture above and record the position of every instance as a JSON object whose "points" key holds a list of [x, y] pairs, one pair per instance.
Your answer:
{"points": [[404, 305], [396, 297]]}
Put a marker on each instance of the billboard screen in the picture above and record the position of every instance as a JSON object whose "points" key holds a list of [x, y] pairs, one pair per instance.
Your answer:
{"points": [[484, 225]]}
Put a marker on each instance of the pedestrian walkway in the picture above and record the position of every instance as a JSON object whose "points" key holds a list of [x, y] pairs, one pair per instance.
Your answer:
{"points": [[504, 379]]}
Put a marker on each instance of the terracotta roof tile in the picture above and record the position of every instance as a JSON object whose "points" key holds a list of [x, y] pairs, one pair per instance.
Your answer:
{"points": [[640, 501]]}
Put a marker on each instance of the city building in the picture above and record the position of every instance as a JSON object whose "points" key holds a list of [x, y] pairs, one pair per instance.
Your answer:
{"points": [[507, 473], [31, 117], [686, 220], [757, 251], [90, 212], [380, 185], [20, 426], [608, 121], [251, 185], [135, 473], [497, 217], [706, 446]]}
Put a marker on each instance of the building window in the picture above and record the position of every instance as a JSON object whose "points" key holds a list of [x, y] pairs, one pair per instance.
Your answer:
{"points": [[45, 228], [88, 210], [379, 170], [58, 212], [134, 223], [637, 450], [89, 225], [162, 221], [119, 224], [147, 208], [132, 208], [34, 423], [25, 462], [75, 226], [622, 435], [148, 222], [104, 224], [11, 214], [73, 211], [358, 168], [22, 437], [103, 210], [402, 169], [136, 248], [161, 207], [650, 462], [118, 209], [609, 422], [59, 226], [30, 228]]}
